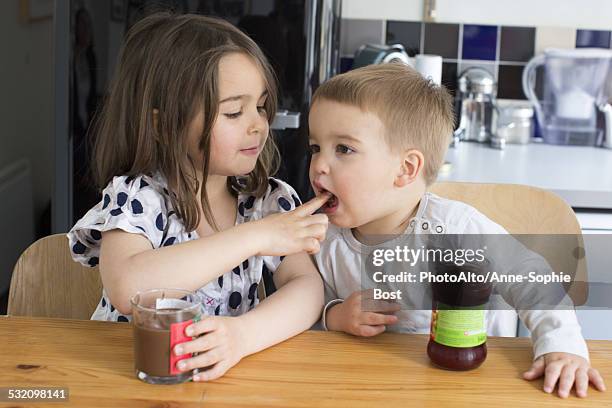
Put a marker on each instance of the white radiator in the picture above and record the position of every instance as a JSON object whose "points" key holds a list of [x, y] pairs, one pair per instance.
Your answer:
{"points": [[16, 217]]}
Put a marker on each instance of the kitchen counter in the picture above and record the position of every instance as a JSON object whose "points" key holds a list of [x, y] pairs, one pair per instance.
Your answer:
{"points": [[582, 176]]}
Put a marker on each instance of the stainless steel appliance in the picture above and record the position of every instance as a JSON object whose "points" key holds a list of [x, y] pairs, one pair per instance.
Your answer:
{"points": [[379, 54], [476, 94]]}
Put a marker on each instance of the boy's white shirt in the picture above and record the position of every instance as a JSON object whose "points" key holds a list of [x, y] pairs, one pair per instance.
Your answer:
{"points": [[339, 264]]}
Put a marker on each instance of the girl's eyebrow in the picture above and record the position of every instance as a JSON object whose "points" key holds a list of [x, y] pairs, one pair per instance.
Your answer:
{"points": [[244, 96]]}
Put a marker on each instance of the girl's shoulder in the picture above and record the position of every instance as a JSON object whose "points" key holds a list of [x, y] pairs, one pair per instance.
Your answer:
{"points": [[135, 196], [135, 204], [145, 185]]}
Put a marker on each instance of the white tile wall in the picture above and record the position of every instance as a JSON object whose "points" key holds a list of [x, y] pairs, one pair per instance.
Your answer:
{"points": [[554, 37], [402, 10], [587, 14]]}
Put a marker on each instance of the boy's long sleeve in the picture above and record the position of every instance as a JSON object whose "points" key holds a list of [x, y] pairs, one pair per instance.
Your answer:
{"points": [[554, 331]]}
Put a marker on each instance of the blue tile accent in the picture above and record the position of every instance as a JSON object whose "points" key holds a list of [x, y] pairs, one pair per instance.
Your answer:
{"points": [[346, 63], [592, 38], [479, 42]]}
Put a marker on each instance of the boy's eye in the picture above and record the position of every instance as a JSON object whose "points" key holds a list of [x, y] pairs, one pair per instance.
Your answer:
{"points": [[314, 148], [233, 115], [344, 149]]}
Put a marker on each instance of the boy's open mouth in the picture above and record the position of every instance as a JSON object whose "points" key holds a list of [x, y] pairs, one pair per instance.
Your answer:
{"points": [[330, 205]]}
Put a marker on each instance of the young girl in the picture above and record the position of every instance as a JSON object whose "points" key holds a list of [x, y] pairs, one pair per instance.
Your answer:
{"points": [[184, 152]]}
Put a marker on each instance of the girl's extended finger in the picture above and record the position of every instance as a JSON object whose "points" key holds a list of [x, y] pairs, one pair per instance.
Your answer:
{"points": [[312, 205]]}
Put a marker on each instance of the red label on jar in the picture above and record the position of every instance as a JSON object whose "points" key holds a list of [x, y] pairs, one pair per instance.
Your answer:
{"points": [[177, 336]]}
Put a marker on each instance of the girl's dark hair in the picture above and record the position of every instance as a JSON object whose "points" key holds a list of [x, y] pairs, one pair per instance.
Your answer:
{"points": [[171, 63]]}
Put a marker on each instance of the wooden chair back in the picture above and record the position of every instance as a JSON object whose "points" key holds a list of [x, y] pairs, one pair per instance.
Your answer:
{"points": [[47, 282]]}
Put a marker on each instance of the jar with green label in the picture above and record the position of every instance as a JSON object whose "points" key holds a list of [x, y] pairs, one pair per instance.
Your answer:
{"points": [[458, 337]]}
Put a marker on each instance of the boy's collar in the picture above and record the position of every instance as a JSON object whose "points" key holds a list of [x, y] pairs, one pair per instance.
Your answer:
{"points": [[356, 245]]}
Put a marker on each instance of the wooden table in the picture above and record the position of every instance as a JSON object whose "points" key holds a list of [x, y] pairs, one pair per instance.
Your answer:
{"points": [[95, 361]]}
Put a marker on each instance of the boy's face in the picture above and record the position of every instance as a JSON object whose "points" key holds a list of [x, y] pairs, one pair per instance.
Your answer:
{"points": [[352, 160]]}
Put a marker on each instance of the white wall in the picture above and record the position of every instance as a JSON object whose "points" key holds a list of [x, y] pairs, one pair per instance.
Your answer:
{"points": [[26, 97], [589, 14], [402, 10]]}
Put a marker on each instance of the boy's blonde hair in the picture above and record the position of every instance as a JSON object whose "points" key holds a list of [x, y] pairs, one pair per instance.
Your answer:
{"points": [[416, 113]]}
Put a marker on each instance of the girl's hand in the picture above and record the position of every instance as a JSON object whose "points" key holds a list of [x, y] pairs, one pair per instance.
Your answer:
{"points": [[294, 231], [219, 346], [567, 369]]}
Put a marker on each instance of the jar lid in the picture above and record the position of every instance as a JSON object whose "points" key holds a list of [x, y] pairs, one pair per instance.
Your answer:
{"points": [[476, 79], [515, 109]]}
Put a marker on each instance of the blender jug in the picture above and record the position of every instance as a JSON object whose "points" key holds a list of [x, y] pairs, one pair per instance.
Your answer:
{"points": [[574, 87]]}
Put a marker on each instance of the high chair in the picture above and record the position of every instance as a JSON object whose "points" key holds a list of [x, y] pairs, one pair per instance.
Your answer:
{"points": [[46, 282], [528, 212]]}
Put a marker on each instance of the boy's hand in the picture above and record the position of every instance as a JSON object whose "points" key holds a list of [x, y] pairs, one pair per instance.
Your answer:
{"points": [[566, 368], [219, 342], [350, 316], [294, 231]]}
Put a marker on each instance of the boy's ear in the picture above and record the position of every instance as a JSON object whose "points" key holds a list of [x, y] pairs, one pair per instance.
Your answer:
{"points": [[411, 165]]}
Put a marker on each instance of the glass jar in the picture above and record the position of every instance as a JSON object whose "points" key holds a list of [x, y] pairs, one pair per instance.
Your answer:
{"points": [[458, 337], [514, 122]]}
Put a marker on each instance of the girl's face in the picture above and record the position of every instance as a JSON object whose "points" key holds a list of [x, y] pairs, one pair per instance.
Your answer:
{"points": [[241, 126]]}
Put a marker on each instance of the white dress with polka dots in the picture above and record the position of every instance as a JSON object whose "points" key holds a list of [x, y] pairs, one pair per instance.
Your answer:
{"points": [[141, 205]]}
